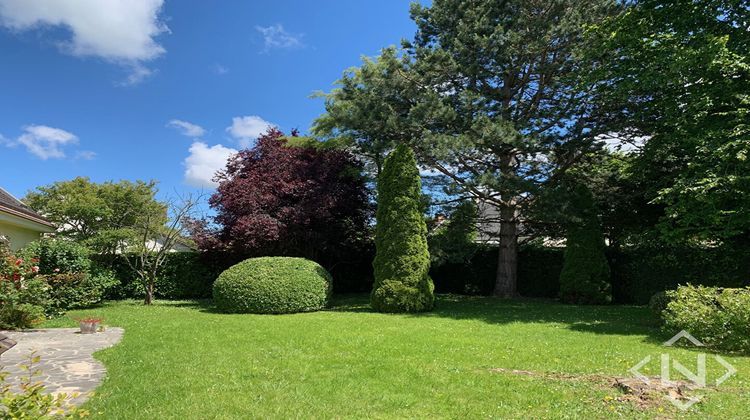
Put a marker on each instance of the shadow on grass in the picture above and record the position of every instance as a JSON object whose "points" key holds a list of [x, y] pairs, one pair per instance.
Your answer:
{"points": [[604, 320], [201, 305], [613, 319]]}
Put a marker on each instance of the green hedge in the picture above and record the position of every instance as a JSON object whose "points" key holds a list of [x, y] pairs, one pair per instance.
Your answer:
{"points": [[184, 275], [637, 273], [538, 273], [585, 278], [58, 256], [272, 285], [189, 275]]}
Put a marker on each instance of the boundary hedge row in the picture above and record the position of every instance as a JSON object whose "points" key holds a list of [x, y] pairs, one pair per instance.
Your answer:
{"points": [[636, 273], [184, 275]]}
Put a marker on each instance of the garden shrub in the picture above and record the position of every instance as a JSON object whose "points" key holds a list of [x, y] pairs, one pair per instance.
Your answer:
{"points": [[66, 267], [77, 290], [272, 285], [454, 241], [22, 302], [585, 276], [23, 295], [402, 260], [718, 317], [658, 302], [184, 275], [20, 316], [58, 256]]}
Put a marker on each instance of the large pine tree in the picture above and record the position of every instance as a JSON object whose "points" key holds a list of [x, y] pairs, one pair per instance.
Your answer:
{"points": [[489, 95], [402, 260]]}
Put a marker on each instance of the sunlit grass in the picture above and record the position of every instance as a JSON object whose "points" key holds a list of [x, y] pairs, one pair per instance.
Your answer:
{"points": [[182, 360]]}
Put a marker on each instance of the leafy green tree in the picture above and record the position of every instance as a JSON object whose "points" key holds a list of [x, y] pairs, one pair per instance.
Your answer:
{"points": [[677, 73], [585, 276], [454, 242], [101, 216], [402, 260], [622, 196], [490, 96]]}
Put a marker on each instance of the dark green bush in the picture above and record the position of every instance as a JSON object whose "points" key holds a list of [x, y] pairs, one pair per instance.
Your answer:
{"points": [[454, 241], [402, 260], [58, 256], [21, 316], [272, 285], [639, 272], [585, 276], [658, 302], [77, 290], [66, 267], [22, 302], [538, 272], [718, 317]]}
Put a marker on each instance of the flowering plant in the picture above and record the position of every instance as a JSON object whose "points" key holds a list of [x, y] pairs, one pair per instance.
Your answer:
{"points": [[23, 294], [17, 269], [90, 320]]}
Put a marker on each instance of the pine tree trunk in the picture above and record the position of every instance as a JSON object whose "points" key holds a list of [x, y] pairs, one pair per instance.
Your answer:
{"points": [[507, 262]]}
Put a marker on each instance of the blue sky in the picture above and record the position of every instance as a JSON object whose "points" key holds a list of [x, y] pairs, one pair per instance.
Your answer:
{"points": [[164, 90]]}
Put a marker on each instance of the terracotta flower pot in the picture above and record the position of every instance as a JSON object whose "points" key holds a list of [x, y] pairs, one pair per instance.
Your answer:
{"points": [[89, 327]]}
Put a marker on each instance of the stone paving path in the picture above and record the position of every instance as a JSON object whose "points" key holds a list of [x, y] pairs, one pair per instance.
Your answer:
{"points": [[67, 363]]}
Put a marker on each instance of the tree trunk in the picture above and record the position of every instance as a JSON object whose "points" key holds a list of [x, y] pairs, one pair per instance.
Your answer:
{"points": [[507, 262], [149, 293]]}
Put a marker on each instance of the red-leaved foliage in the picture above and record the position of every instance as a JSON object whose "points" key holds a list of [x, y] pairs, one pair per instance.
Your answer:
{"points": [[276, 199]]}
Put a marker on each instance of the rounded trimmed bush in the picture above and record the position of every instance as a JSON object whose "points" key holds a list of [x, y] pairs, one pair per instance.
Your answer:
{"points": [[273, 285]]}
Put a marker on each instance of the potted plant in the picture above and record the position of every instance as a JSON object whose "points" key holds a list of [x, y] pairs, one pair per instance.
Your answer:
{"points": [[89, 325]]}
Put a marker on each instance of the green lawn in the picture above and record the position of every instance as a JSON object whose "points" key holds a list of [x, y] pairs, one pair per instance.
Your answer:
{"points": [[182, 360]]}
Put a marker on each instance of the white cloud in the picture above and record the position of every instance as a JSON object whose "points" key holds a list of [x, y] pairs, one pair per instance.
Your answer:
{"points": [[275, 36], [137, 74], [204, 162], [4, 141], [187, 129], [46, 142], [85, 155], [248, 128], [119, 31]]}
